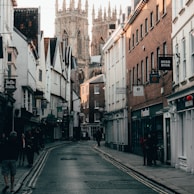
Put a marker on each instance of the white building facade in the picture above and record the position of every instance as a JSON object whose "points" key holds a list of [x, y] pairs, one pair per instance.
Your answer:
{"points": [[116, 119], [181, 101], [8, 56]]}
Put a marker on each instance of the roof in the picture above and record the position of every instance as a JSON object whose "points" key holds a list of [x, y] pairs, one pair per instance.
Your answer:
{"points": [[97, 79]]}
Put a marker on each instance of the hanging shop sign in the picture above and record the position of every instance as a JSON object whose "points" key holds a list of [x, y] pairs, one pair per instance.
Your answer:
{"points": [[138, 90], [154, 78], [165, 63], [10, 85]]}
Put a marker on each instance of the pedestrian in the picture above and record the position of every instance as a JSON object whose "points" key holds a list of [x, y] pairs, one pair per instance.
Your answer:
{"points": [[143, 142], [36, 140], [98, 136], [30, 148], [154, 146], [9, 158], [22, 149], [3, 139], [149, 150]]}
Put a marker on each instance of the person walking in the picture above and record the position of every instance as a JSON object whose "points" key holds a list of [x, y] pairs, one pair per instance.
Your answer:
{"points": [[149, 150], [98, 137], [22, 149], [30, 148], [143, 142], [9, 153]]}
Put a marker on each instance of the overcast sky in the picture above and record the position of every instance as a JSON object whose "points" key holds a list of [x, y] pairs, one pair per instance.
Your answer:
{"points": [[48, 10]]}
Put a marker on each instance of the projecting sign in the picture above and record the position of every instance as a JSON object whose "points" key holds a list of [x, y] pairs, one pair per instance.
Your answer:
{"points": [[165, 63], [138, 91], [10, 84]]}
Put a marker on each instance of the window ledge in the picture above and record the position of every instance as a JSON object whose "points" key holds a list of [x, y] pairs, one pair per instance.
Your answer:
{"points": [[184, 82], [191, 78], [181, 11], [188, 2], [175, 20]]}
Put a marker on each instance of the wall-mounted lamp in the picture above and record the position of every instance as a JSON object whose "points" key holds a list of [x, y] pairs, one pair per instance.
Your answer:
{"points": [[177, 58]]}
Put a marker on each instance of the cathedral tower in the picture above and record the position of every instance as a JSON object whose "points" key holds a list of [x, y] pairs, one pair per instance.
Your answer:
{"points": [[71, 25], [102, 27]]}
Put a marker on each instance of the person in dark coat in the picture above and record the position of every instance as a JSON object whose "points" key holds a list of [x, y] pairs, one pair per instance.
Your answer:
{"points": [[30, 148], [98, 137], [143, 142], [10, 150], [22, 149], [149, 150]]}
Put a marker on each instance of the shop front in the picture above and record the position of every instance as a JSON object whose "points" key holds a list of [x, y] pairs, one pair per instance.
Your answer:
{"points": [[6, 113], [182, 133], [145, 121]]}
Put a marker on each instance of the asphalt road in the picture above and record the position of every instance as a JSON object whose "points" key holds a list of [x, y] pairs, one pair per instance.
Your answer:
{"points": [[78, 169]]}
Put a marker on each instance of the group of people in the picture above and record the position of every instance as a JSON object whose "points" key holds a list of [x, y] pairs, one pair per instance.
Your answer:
{"points": [[14, 147], [149, 148]]}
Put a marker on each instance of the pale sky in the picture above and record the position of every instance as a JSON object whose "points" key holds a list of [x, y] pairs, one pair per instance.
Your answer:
{"points": [[48, 10]]}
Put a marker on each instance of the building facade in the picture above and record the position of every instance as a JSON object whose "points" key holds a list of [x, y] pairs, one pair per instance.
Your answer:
{"points": [[148, 37], [181, 101], [8, 74], [92, 105], [116, 117]]}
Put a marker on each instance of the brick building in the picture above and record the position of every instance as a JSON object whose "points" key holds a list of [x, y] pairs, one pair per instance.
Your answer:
{"points": [[148, 34], [92, 105]]}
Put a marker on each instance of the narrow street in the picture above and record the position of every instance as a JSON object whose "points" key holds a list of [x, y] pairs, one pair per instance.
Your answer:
{"points": [[77, 168]]}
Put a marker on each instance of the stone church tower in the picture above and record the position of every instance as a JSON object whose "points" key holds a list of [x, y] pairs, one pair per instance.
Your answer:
{"points": [[71, 25], [102, 28]]}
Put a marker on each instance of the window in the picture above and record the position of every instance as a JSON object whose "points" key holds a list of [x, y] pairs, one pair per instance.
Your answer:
{"points": [[40, 75], [24, 98], [141, 31], [157, 13], [177, 62], [157, 55], [151, 20], [146, 26], [96, 104], [9, 70], [9, 57], [147, 70], [133, 40], [65, 37], [164, 48], [96, 89], [192, 50], [181, 4], [142, 72], [133, 75], [131, 80], [184, 57], [137, 36], [152, 61], [29, 100], [129, 43], [79, 42], [117, 86], [96, 117], [163, 6], [137, 76]]}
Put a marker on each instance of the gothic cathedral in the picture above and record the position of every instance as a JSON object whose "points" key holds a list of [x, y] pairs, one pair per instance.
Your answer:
{"points": [[71, 25]]}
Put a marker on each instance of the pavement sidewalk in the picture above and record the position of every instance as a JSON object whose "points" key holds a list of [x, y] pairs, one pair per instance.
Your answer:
{"points": [[176, 180]]}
